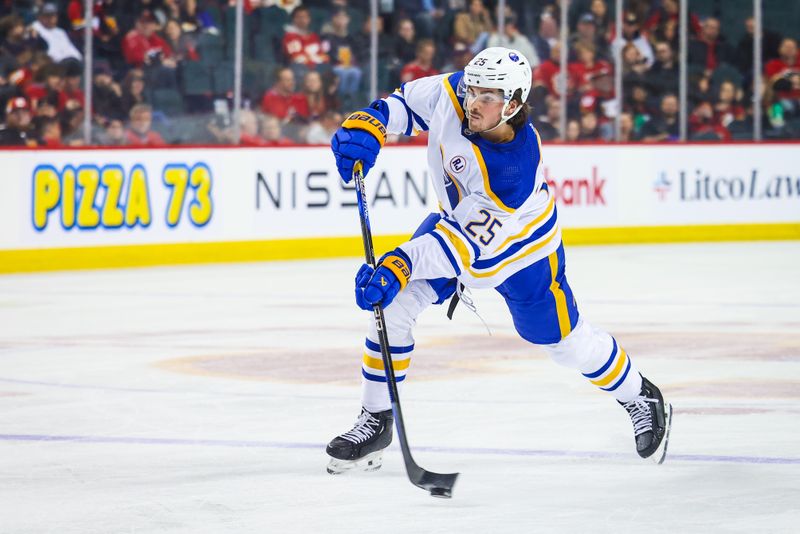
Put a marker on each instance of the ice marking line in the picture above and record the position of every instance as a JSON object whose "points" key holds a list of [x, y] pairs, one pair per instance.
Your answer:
{"points": [[540, 453]]}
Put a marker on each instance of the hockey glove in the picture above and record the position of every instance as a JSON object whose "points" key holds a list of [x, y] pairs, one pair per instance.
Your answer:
{"points": [[360, 137], [381, 285]]}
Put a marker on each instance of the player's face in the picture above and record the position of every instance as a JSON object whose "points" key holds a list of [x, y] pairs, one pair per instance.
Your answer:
{"points": [[483, 107]]}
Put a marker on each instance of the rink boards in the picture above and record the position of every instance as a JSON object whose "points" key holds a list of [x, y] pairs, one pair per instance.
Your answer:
{"points": [[73, 209]]}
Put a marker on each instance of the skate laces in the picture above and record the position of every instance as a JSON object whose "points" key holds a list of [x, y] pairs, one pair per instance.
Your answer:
{"points": [[640, 413], [463, 295], [365, 427]]}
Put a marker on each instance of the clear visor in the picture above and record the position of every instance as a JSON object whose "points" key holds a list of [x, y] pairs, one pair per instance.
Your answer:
{"points": [[483, 97], [469, 94]]}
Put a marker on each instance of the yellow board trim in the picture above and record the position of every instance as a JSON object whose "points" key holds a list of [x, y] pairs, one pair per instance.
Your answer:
{"points": [[377, 363], [561, 299], [124, 256], [610, 377], [486, 186], [453, 98]]}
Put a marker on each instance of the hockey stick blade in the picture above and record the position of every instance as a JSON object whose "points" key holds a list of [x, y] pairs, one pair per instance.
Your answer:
{"points": [[437, 484]]}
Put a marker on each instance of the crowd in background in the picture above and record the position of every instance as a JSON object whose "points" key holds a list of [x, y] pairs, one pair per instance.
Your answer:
{"points": [[163, 69]]}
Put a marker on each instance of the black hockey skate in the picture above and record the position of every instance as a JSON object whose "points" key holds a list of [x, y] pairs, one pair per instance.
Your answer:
{"points": [[361, 448], [652, 418]]}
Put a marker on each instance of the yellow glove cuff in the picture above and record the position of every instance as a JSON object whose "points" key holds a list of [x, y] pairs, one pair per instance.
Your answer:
{"points": [[399, 267], [361, 120]]}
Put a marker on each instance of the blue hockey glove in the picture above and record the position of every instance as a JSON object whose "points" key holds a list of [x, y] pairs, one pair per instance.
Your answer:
{"points": [[360, 137], [381, 285]]}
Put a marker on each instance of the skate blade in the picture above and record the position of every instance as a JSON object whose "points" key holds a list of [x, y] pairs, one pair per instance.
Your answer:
{"points": [[660, 454], [370, 462]]}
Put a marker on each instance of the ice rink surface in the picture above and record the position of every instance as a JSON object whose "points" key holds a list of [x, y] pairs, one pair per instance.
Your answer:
{"points": [[200, 399]]}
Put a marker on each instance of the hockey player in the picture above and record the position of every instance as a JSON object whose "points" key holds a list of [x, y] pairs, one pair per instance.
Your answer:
{"points": [[497, 228]]}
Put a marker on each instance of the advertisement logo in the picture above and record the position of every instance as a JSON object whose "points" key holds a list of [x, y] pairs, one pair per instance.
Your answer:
{"points": [[662, 186], [88, 197], [706, 186], [578, 190]]}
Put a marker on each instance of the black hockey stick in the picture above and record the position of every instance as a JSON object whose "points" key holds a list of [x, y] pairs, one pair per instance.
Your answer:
{"points": [[438, 484]]}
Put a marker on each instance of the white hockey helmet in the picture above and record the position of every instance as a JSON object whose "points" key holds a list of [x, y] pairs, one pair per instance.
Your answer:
{"points": [[500, 68]]}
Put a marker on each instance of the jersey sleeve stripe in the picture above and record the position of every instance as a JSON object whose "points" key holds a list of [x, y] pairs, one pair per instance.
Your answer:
{"points": [[453, 98], [413, 118], [561, 299], [486, 184], [457, 231], [447, 252]]}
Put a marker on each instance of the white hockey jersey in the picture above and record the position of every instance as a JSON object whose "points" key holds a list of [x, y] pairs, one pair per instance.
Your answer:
{"points": [[497, 213]]}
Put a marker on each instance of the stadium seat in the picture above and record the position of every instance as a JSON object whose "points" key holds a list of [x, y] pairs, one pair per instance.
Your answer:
{"points": [[210, 48], [195, 78], [168, 101], [230, 33], [222, 78]]}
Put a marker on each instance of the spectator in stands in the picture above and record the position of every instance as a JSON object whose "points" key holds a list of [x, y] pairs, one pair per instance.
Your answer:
{"points": [[314, 93], [548, 125], [139, 132], [586, 34], [634, 67], [703, 123], [282, 101], [273, 136], [728, 107], [459, 58], [627, 133], [182, 44], [16, 39], [287, 5], [573, 131], [588, 71], [631, 33], [249, 135], [512, 38], [709, 49], [546, 74], [301, 46], [665, 126], [602, 22], [48, 87], [405, 47], [423, 64], [142, 46], [133, 92], [548, 34], [59, 47], [106, 95], [472, 27], [770, 43], [638, 103], [49, 133], [590, 130], [664, 20], [664, 75], [321, 131], [16, 130], [106, 29], [71, 97], [340, 47], [787, 62], [426, 14], [114, 134]]}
